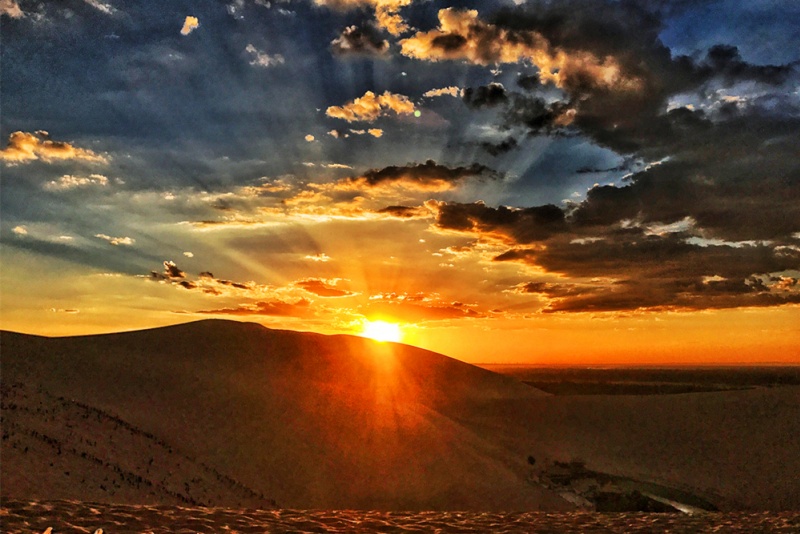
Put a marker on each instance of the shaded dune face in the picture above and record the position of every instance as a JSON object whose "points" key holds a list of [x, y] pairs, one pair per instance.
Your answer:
{"points": [[310, 421]]}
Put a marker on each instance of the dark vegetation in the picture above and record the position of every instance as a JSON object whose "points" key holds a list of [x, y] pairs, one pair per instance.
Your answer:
{"points": [[604, 492]]}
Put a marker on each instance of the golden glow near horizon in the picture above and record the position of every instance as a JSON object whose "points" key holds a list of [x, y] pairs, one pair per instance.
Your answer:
{"points": [[382, 331]]}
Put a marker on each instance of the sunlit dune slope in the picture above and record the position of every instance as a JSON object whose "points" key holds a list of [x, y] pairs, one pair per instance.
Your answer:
{"points": [[226, 413]]}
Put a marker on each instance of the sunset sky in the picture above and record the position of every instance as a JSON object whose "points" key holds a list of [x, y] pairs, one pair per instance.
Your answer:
{"points": [[508, 181]]}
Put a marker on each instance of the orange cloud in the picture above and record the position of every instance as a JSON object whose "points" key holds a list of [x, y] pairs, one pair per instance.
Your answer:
{"points": [[189, 25], [386, 11], [371, 106], [452, 91], [462, 35], [11, 8], [24, 147]]}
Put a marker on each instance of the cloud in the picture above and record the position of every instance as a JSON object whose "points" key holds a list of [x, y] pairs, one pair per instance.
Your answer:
{"points": [[386, 11], [189, 25], [299, 308], [370, 106], [405, 212], [207, 283], [262, 59], [461, 35], [374, 132], [116, 241], [485, 96], [514, 225], [418, 308], [323, 288], [363, 41], [616, 264], [11, 9], [617, 75], [171, 270], [706, 221], [69, 181], [501, 147], [451, 90], [24, 147], [318, 258], [100, 6], [428, 176]]}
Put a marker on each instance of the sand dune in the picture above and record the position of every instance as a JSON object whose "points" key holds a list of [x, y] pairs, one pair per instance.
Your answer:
{"points": [[311, 421], [234, 414]]}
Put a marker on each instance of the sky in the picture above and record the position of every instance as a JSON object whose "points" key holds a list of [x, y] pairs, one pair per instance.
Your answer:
{"points": [[549, 182]]}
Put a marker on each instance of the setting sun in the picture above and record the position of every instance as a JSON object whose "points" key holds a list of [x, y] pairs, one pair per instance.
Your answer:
{"points": [[382, 331]]}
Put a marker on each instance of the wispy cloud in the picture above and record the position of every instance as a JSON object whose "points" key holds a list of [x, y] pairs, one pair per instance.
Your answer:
{"points": [[262, 59], [450, 90], [69, 181], [116, 241], [371, 106], [364, 40], [108, 9], [24, 147]]}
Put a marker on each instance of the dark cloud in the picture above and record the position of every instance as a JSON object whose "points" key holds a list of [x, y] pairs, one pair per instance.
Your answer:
{"points": [[622, 264], [171, 273], [627, 118], [207, 282], [684, 294], [495, 149], [299, 308], [526, 225], [404, 212], [538, 115], [711, 216], [323, 288], [360, 40], [484, 96], [428, 175], [529, 82]]}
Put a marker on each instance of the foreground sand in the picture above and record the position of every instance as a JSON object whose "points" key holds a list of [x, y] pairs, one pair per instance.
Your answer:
{"points": [[66, 517], [231, 414]]}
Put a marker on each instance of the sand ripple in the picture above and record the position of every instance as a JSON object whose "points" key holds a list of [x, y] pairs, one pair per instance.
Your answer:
{"points": [[72, 516]]}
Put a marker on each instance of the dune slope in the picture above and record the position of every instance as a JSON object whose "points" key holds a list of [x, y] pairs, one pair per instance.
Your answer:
{"points": [[227, 413]]}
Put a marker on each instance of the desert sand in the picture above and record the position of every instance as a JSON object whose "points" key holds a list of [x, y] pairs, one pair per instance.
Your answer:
{"points": [[223, 413], [66, 517]]}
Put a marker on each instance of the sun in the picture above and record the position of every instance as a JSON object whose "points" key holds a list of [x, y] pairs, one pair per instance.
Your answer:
{"points": [[382, 331]]}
